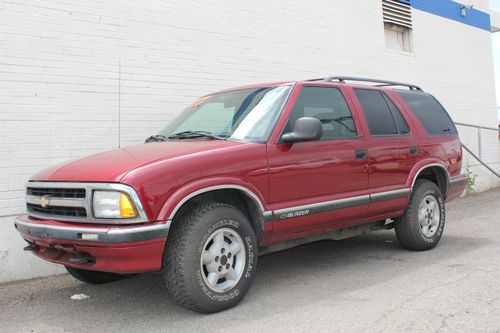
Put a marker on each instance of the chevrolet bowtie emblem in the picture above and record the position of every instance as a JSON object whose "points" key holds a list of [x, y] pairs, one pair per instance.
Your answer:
{"points": [[44, 201]]}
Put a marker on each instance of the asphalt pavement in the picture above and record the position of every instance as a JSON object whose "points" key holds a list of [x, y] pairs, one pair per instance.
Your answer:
{"points": [[365, 284]]}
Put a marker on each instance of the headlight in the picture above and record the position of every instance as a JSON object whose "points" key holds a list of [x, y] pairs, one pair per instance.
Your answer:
{"points": [[113, 204]]}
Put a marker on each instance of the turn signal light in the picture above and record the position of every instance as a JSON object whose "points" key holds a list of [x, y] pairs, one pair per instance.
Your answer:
{"points": [[127, 209]]}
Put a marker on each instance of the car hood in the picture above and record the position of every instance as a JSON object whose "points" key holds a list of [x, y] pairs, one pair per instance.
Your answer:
{"points": [[111, 166]]}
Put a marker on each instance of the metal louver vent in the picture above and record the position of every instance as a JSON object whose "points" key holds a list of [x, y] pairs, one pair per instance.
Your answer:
{"points": [[397, 12]]}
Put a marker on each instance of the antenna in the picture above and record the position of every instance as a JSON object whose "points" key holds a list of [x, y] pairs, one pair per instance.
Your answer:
{"points": [[119, 99]]}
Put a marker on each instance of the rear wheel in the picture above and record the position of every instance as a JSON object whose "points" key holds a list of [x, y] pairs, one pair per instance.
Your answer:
{"points": [[93, 277], [421, 227], [210, 258]]}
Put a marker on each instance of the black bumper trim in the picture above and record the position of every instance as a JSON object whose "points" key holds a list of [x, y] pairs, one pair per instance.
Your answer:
{"points": [[458, 181], [111, 235]]}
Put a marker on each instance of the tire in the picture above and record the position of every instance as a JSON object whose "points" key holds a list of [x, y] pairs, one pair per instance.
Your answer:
{"points": [[93, 277], [421, 227], [210, 258]]}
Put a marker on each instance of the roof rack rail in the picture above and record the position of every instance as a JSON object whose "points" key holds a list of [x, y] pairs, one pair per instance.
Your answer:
{"points": [[383, 83]]}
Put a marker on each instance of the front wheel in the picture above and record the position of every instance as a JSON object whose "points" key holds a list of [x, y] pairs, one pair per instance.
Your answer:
{"points": [[421, 227], [210, 258]]}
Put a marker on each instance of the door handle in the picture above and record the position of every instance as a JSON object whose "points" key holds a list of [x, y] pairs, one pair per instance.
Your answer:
{"points": [[360, 154], [413, 150]]}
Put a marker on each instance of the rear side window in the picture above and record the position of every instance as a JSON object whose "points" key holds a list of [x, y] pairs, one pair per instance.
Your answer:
{"points": [[381, 114], [400, 122], [429, 112]]}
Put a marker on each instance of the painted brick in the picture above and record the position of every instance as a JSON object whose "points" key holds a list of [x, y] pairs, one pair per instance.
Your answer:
{"points": [[60, 62]]}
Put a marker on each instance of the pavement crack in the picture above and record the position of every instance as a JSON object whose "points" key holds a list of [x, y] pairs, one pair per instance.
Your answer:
{"points": [[409, 300]]}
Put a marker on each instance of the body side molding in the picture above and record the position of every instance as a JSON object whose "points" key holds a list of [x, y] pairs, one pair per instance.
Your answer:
{"points": [[290, 212], [319, 207]]}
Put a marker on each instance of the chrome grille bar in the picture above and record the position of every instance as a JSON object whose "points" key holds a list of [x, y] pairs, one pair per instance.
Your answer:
{"points": [[61, 202]]}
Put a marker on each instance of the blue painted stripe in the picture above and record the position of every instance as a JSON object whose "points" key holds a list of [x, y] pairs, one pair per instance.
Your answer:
{"points": [[451, 10]]}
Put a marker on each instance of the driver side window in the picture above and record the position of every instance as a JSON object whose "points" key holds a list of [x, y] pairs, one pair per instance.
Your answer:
{"points": [[328, 105]]}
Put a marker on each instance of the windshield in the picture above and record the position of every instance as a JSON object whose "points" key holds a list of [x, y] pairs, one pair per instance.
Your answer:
{"points": [[246, 115]]}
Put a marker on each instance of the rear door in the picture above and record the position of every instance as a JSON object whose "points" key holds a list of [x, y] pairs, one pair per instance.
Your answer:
{"points": [[318, 184], [393, 149]]}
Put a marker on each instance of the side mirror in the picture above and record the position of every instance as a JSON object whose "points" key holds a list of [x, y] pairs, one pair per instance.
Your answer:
{"points": [[305, 129]]}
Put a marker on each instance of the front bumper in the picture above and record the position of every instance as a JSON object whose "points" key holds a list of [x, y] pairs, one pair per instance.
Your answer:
{"points": [[119, 249]]}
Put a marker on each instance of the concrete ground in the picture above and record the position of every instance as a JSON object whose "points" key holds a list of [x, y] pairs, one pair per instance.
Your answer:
{"points": [[364, 284]]}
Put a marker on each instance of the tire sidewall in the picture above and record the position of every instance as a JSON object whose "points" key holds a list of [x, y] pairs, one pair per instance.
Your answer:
{"points": [[213, 220], [426, 189]]}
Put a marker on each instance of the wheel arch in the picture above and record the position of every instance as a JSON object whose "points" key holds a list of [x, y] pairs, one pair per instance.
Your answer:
{"points": [[249, 201], [435, 172]]}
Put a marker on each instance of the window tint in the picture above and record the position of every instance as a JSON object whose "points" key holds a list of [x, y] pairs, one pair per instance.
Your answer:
{"points": [[328, 105], [400, 121], [376, 111], [431, 114]]}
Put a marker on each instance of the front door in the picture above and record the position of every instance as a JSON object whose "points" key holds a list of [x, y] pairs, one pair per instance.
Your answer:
{"points": [[319, 184]]}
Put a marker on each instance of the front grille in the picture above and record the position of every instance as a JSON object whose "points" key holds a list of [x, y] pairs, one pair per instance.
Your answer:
{"points": [[72, 201], [57, 192], [58, 210], [58, 202]]}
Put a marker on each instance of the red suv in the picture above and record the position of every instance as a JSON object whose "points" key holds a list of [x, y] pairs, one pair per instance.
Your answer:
{"points": [[248, 171]]}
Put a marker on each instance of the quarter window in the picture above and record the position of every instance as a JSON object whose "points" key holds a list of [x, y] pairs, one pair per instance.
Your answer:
{"points": [[377, 113], [329, 106], [400, 122]]}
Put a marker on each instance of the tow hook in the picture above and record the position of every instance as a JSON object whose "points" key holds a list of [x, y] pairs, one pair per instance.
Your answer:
{"points": [[82, 260], [32, 248]]}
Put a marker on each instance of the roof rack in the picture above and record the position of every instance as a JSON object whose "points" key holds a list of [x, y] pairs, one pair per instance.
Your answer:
{"points": [[383, 83]]}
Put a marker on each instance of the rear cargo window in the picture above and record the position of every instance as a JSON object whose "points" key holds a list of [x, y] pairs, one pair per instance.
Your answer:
{"points": [[429, 112]]}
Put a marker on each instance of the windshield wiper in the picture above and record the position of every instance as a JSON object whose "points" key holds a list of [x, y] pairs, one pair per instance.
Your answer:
{"points": [[195, 134], [156, 138], [340, 121]]}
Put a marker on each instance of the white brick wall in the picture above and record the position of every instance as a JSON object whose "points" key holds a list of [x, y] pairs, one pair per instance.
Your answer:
{"points": [[63, 63]]}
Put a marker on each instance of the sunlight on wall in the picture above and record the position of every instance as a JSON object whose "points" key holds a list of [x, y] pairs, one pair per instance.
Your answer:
{"points": [[496, 62], [495, 5]]}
